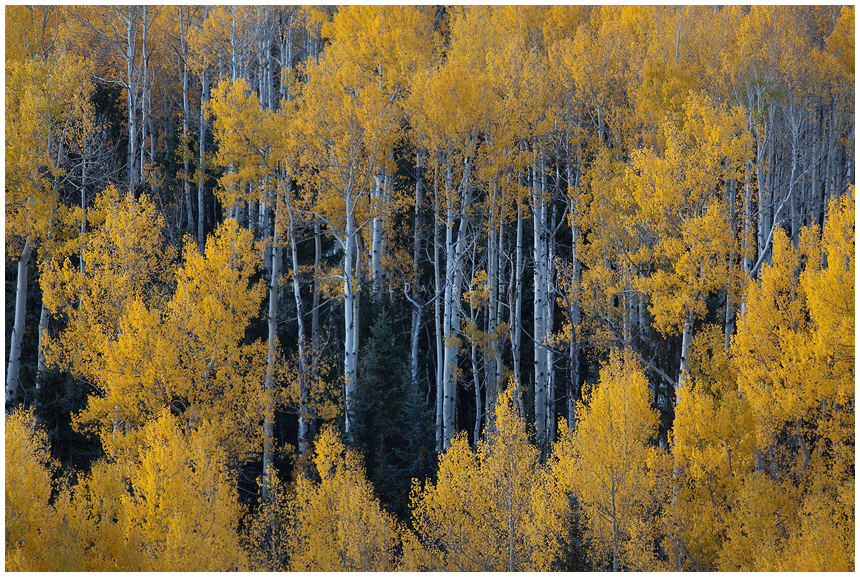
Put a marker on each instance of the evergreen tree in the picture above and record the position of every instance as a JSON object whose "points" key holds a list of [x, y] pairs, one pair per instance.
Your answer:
{"points": [[573, 545], [390, 424]]}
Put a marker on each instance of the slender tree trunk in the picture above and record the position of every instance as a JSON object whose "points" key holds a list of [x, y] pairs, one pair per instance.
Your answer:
{"points": [[476, 383], [304, 396], [186, 112], [516, 293], [416, 254], [376, 242], [306, 404], [84, 183], [315, 313], [492, 382], [500, 303], [450, 324], [540, 303], [550, 326], [42, 366], [573, 306], [13, 370], [131, 102], [146, 104], [686, 343], [440, 358], [453, 289], [351, 303], [731, 314], [268, 431], [201, 164]]}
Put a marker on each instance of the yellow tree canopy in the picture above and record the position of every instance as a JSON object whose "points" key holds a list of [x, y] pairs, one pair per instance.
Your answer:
{"points": [[337, 524]]}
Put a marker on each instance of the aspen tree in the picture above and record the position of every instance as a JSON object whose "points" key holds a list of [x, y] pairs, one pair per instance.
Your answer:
{"points": [[337, 162], [32, 526], [248, 144], [447, 113], [47, 111], [495, 509], [682, 209], [385, 45], [796, 373], [337, 524], [713, 439], [183, 509], [118, 29], [145, 350], [614, 469]]}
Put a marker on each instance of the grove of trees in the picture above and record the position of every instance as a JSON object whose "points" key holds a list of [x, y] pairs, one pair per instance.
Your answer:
{"points": [[439, 288]]}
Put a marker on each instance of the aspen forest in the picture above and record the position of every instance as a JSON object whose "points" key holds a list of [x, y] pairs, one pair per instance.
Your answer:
{"points": [[433, 288]]}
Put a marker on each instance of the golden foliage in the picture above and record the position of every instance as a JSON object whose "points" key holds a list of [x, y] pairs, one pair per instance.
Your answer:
{"points": [[494, 510], [337, 524], [615, 471]]}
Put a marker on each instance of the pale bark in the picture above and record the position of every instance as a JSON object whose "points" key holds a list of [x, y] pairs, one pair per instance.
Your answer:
{"points": [[437, 268], [686, 343], [453, 289], [304, 393], [131, 92], [201, 163], [13, 370], [450, 326], [516, 312], [539, 211], [731, 314], [351, 295], [146, 97], [307, 407], [417, 309], [186, 111], [573, 307], [286, 51], [550, 326], [41, 366], [494, 360], [476, 383], [500, 304], [274, 285], [376, 242]]}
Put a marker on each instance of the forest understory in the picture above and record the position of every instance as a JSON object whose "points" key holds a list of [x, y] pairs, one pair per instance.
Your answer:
{"points": [[494, 288]]}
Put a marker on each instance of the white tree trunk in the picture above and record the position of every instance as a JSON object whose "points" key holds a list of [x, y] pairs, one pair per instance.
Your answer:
{"points": [[450, 324], [541, 278], [351, 272], [686, 343], [201, 164], [186, 111], [304, 396], [131, 93], [573, 308], [440, 355], [268, 428], [516, 311], [145, 96], [500, 304], [378, 201], [416, 254], [494, 360], [453, 290], [550, 326], [13, 370]]}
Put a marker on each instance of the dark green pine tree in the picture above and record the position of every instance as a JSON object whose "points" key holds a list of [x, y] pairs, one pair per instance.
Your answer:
{"points": [[389, 423], [573, 553]]}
